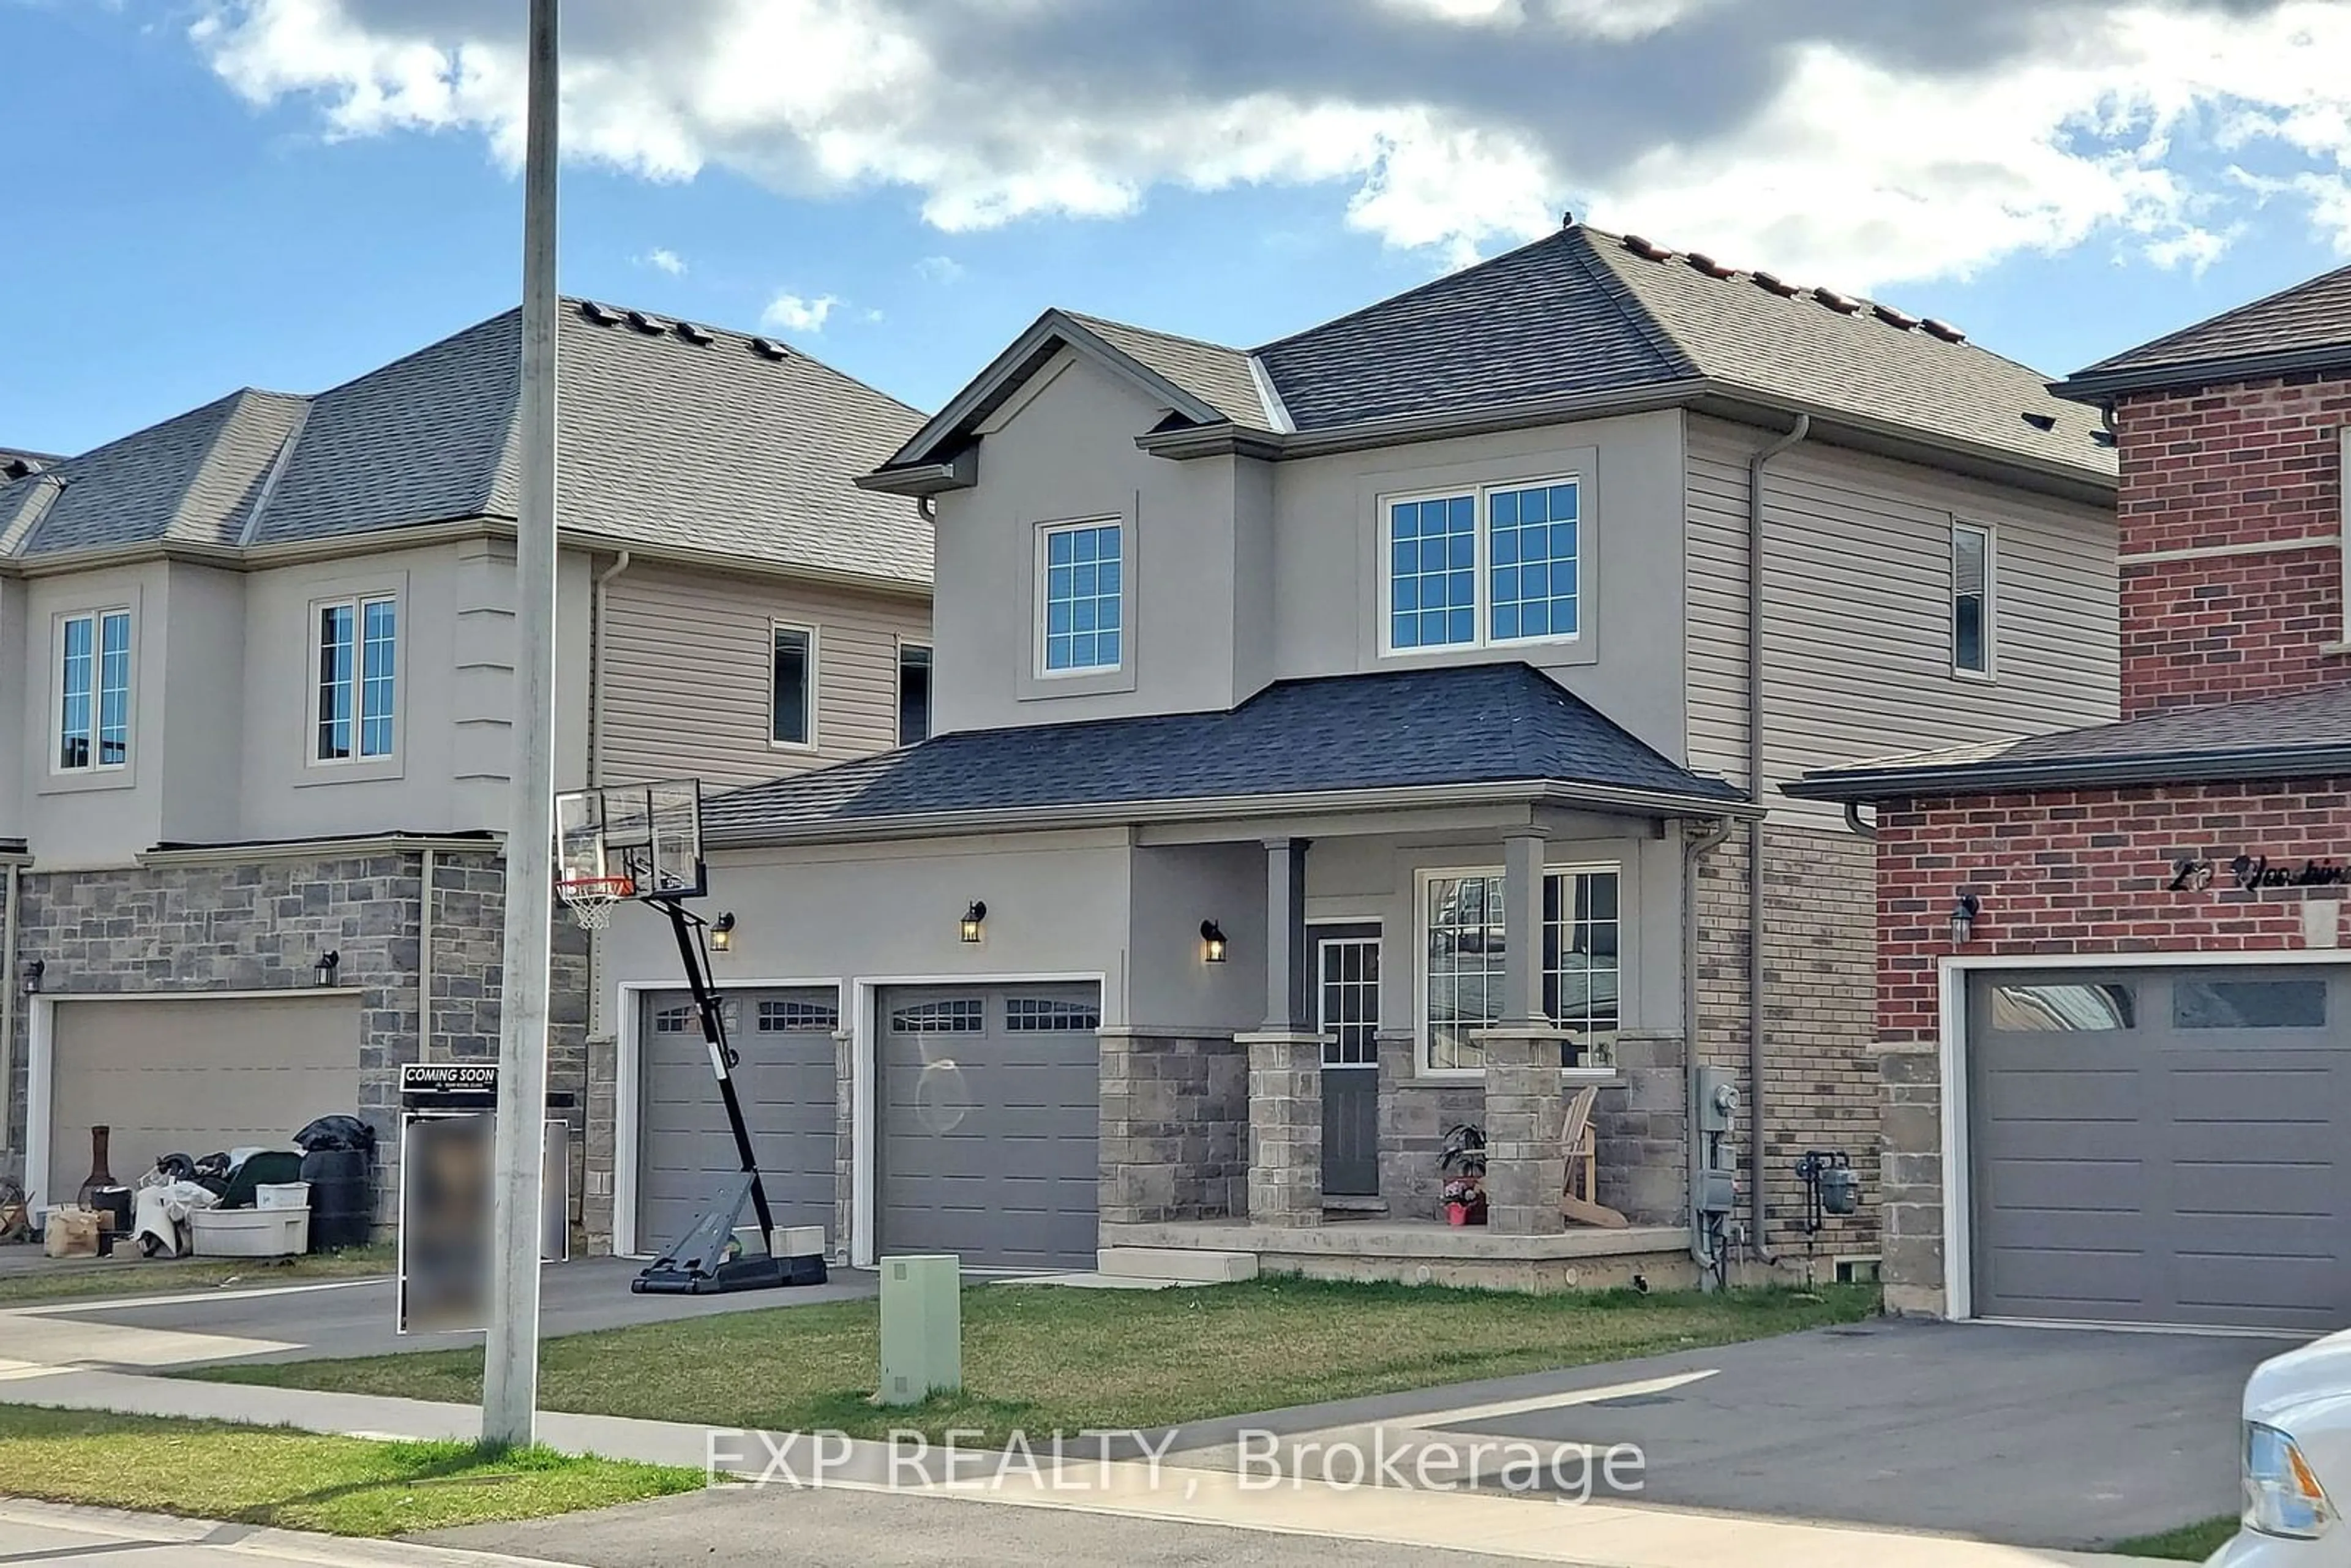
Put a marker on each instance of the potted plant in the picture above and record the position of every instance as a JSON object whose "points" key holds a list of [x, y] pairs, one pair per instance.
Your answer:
{"points": [[1463, 1160]]}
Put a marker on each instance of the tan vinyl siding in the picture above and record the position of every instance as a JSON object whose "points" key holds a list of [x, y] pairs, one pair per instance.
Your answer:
{"points": [[1857, 632], [685, 662]]}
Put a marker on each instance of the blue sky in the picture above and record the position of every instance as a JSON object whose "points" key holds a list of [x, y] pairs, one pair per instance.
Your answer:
{"points": [[284, 197]]}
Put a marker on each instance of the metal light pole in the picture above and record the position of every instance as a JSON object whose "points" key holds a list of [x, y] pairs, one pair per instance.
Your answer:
{"points": [[511, 1364]]}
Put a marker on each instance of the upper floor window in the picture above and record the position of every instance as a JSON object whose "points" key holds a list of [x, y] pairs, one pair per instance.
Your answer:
{"points": [[914, 693], [1972, 603], [1477, 568], [1080, 606], [359, 661], [792, 696], [93, 691]]}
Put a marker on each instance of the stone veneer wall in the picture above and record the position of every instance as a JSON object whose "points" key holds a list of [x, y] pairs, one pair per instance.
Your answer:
{"points": [[1414, 1116], [1638, 1126], [1174, 1128], [259, 926]]}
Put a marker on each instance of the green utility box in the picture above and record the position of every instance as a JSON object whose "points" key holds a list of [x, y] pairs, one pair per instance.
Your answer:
{"points": [[922, 1327]]}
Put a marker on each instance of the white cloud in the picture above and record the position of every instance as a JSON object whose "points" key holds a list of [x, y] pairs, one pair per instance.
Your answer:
{"points": [[662, 259], [797, 313], [1854, 144], [939, 269]]}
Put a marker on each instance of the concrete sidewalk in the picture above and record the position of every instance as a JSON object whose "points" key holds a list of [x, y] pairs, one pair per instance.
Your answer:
{"points": [[1592, 1535], [45, 1532]]}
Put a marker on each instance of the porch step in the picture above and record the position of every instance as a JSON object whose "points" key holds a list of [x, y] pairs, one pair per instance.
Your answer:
{"points": [[1191, 1264]]}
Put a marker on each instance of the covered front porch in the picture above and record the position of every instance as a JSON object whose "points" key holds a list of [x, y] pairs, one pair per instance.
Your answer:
{"points": [[1423, 969]]}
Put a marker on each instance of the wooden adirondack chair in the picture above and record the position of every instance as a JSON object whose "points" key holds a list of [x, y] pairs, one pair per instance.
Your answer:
{"points": [[1580, 1140]]}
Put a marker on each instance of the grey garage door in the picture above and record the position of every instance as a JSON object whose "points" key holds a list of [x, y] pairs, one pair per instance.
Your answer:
{"points": [[785, 1081], [989, 1105], [192, 1075], [2162, 1145]]}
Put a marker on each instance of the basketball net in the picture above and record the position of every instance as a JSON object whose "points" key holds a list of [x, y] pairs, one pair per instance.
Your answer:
{"points": [[591, 899]]}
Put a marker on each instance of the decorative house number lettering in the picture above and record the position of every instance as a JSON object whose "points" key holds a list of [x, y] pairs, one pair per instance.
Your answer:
{"points": [[2191, 874]]}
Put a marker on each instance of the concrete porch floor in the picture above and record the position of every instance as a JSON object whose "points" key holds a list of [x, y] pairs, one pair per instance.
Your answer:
{"points": [[1426, 1252]]}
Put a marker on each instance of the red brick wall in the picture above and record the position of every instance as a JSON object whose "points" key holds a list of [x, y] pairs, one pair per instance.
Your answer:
{"points": [[2238, 465], [2087, 871]]}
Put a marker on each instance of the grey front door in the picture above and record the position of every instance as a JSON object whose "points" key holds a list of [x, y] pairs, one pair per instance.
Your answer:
{"points": [[784, 1079], [990, 1113], [1347, 1013], [2161, 1144]]}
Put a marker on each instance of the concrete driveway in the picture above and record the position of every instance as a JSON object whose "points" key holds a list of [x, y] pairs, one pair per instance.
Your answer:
{"points": [[2034, 1437], [348, 1318]]}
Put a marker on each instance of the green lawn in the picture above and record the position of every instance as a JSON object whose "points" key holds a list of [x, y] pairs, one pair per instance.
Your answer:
{"points": [[78, 1280], [2189, 1544], [1042, 1359], [301, 1481]]}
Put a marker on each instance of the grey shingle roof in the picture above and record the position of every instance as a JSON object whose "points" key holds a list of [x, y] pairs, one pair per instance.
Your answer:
{"points": [[2289, 736], [1586, 312], [191, 479], [1483, 724], [2310, 323], [716, 446], [1583, 314], [1217, 375]]}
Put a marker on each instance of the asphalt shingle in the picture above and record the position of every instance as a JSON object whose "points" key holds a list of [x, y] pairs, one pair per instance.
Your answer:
{"points": [[692, 438], [2314, 315], [1217, 375], [2269, 737], [1484, 724]]}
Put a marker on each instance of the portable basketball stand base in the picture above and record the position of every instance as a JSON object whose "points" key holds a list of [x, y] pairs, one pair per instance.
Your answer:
{"points": [[655, 833], [707, 1260]]}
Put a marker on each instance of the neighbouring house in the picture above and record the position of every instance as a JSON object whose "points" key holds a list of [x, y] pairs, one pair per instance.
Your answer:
{"points": [[1350, 738], [2113, 1011], [258, 689]]}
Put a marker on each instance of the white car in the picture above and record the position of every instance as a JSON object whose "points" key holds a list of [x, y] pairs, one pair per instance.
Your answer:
{"points": [[2297, 1452]]}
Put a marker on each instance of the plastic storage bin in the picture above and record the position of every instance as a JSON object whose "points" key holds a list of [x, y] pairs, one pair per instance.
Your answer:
{"points": [[249, 1232], [282, 1194]]}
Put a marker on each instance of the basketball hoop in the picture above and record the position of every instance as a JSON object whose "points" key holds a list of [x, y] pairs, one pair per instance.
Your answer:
{"points": [[591, 898]]}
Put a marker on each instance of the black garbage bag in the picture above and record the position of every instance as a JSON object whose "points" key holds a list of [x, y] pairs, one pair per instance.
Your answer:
{"points": [[335, 1133]]}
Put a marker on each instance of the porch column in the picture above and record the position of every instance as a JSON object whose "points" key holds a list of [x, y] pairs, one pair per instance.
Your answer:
{"points": [[1525, 1167], [1285, 1138]]}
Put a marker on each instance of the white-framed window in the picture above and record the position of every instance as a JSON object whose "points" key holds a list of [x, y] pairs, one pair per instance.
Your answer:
{"points": [[1973, 622], [791, 691], [1080, 603], [93, 691], [355, 649], [1463, 942], [914, 694], [1482, 566]]}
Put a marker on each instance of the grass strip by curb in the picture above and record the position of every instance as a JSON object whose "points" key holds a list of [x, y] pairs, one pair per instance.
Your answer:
{"points": [[289, 1480], [2189, 1544]]}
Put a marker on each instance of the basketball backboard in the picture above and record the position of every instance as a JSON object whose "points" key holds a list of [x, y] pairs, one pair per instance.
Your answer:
{"points": [[649, 833]]}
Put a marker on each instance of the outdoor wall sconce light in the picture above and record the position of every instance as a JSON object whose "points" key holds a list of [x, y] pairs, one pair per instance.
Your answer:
{"points": [[1212, 942], [722, 933], [34, 968], [1963, 918], [329, 962], [971, 918]]}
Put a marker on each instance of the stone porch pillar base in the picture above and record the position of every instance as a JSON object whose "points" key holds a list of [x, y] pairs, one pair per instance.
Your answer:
{"points": [[1526, 1165], [1285, 1127]]}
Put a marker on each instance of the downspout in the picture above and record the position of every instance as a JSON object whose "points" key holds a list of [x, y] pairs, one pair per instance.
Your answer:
{"points": [[424, 956], [1756, 987], [8, 1004], [1695, 850], [596, 668], [1853, 820]]}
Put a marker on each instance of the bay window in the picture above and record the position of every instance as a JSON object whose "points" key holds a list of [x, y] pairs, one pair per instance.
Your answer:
{"points": [[1482, 566], [1464, 943]]}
